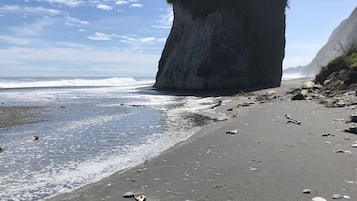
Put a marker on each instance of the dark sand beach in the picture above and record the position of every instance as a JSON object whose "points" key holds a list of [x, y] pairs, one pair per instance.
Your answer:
{"points": [[266, 159], [11, 116]]}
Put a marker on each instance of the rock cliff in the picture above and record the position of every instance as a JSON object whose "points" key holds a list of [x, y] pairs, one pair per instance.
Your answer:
{"points": [[230, 44], [342, 38]]}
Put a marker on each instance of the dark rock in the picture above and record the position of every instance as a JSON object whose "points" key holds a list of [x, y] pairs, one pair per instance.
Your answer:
{"points": [[306, 191], [35, 138], [352, 130], [1, 149], [230, 44], [353, 118], [327, 135], [298, 96]]}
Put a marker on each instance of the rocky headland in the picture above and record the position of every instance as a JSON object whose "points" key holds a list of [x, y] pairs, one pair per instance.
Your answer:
{"points": [[340, 41], [223, 45]]}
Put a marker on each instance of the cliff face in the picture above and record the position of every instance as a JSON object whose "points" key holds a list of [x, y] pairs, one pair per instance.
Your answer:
{"points": [[230, 44], [342, 38]]}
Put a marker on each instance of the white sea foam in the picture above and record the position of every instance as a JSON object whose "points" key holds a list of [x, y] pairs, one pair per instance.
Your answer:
{"points": [[70, 82]]}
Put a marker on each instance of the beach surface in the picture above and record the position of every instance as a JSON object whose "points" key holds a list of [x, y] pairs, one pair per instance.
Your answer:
{"points": [[12, 116], [262, 157]]}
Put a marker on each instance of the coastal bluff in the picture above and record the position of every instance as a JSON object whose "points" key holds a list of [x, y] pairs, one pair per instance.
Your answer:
{"points": [[231, 44]]}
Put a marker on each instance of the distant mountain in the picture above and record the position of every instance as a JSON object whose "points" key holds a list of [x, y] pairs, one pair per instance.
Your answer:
{"points": [[342, 38], [294, 70]]}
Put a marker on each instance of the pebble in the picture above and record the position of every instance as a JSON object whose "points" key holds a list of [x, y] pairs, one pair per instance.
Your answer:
{"points": [[354, 146], [253, 169], [140, 198], [340, 151], [1, 149], [352, 130], [327, 135], [306, 191], [318, 199], [298, 96], [353, 118], [337, 196], [346, 197], [128, 195], [35, 138], [232, 132]]}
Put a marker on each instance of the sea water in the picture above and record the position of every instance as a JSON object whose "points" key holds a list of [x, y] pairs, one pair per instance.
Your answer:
{"points": [[93, 128]]}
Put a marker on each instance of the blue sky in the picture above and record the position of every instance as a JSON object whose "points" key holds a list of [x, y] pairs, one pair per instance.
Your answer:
{"points": [[126, 37]]}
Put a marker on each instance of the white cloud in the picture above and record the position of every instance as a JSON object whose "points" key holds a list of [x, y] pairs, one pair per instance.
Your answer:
{"points": [[138, 41], [100, 36], [85, 59], [28, 10], [104, 7], [128, 39], [71, 21], [165, 21], [121, 2], [136, 5], [34, 29], [15, 40], [71, 3], [148, 40]]}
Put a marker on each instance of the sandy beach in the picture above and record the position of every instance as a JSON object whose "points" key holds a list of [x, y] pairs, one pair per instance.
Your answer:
{"points": [[262, 157], [11, 116]]}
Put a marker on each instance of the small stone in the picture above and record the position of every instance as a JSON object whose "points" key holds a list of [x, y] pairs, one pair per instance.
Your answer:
{"points": [[140, 198], [232, 132], [62, 106], [337, 196], [328, 142], [306, 191], [35, 138], [298, 96], [352, 130], [318, 199], [340, 151], [128, 195], [253, 169], [308, 85], [353, 118], [327, 135], [139, 170], [1, 149], [354, 146], [346, 197]]}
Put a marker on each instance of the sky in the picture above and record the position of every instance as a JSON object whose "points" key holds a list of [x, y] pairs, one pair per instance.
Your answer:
{"points": [[126, 37]]}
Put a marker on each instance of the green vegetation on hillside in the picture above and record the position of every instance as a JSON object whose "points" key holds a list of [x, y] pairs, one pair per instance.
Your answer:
{"points": [[341, 72]]}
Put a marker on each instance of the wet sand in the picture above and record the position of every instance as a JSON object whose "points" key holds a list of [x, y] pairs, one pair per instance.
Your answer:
{"points": [[266, 159], [12, 116]]}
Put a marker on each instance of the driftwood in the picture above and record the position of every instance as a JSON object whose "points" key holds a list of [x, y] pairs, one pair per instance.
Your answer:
{"points": [[291, 120]]}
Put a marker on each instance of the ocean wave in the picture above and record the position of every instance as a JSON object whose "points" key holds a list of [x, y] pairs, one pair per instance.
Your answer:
{"points": [[18, 83]]}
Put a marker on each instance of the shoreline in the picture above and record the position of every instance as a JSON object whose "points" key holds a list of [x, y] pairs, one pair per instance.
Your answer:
{"points": [[266, 159]]}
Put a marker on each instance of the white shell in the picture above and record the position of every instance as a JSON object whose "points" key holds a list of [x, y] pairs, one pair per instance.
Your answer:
{"points": [[337, 196], [140, 198], [318, 199], [128, 195]]}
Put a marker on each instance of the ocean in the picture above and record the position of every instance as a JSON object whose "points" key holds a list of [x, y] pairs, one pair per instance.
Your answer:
{"points": [[91, 128]]}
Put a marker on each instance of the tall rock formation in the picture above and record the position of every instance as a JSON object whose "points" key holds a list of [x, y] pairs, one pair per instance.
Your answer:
{"points": [[229, 44], [342, 38]]}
